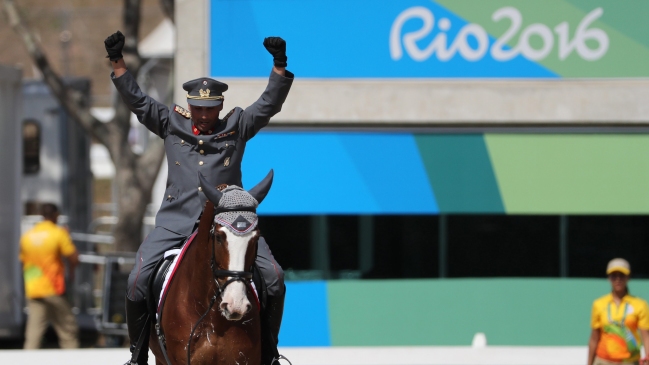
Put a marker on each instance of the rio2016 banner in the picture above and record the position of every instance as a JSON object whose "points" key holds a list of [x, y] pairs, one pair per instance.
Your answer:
{"points": [[433, 39]]}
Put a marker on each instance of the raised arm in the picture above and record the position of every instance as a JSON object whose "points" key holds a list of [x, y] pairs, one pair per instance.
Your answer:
{"points": [[151, 113], [257, 115], [119, 67], [279, 70]]}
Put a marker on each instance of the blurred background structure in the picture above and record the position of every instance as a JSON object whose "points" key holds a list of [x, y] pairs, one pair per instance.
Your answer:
{"points": [[481, 160]]}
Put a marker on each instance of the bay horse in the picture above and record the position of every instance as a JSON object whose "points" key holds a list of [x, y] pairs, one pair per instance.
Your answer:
{"points": [[210, 315]]}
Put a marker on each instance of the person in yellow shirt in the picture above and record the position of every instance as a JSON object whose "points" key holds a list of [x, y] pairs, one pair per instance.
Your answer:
{"points": [[616, 320], [41, 251]]}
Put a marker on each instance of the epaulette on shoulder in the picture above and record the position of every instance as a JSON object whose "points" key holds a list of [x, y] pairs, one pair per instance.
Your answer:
{"points": [[228, 115], [182, 111]]}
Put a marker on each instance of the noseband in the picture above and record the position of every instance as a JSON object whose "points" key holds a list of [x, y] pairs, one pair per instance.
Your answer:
{"points": [[242, 276]]}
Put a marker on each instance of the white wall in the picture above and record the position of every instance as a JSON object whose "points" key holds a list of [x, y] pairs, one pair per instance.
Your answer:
{"points": [[339, 356], [454, 102]]}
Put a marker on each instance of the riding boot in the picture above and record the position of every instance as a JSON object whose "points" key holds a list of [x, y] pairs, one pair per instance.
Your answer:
{"points": [[271, 324], [138, 325]]}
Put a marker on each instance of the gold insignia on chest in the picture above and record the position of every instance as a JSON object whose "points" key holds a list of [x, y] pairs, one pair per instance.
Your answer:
{"points": [[204, 93], [225, 134], [226, 163], [182, 111]]}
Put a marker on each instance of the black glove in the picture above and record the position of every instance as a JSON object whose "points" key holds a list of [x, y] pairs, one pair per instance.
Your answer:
{"points": [[277, 47], [114, 45]]}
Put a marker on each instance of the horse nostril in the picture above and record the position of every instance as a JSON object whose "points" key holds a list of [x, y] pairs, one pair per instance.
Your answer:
{"points": [[224, 306], [248, 308]]}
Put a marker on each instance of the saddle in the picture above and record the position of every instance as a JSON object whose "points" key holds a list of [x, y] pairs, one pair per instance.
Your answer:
{"points": [[156, 281], [161, 270]]}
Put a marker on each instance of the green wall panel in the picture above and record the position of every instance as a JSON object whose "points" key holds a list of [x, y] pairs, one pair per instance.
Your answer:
{"points": [[627, 53], [632, 23], [460, 173], [571, 174], [516, 312]]}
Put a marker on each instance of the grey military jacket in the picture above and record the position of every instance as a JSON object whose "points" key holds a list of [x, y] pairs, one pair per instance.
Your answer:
{"points": [[217, 156]]}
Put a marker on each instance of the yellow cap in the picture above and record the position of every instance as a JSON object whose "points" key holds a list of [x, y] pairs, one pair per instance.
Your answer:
{"points": [[620, 265]]}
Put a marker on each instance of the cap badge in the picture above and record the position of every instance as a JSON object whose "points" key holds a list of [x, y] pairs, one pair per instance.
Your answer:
{"points": [[204, 93], [204, 82]]}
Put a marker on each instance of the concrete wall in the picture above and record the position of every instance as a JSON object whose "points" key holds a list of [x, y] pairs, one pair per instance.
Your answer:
{"points": [[455, 102], [11, 295], [192, 39]]}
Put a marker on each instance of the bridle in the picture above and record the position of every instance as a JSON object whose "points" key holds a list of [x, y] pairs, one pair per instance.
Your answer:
{"points": [[242, 276], [214, 194]]}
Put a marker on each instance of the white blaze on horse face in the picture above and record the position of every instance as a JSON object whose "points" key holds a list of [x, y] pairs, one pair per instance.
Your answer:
{"points": [[235, 303]]}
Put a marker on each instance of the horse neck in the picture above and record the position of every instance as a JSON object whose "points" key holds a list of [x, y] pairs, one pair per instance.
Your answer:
{"points": [[197, 260]]}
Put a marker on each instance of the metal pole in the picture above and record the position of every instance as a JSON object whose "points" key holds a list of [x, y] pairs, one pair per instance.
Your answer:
{"points": [[443, 246], [320, 245], [365, 243], [563, 246]]}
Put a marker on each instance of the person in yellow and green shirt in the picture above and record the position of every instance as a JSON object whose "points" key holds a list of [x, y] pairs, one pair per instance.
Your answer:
{"points": [[41, 251], [618, 319]]}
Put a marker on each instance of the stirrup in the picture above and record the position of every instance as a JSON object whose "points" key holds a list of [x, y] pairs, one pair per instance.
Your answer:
{"points": [[281, 357]]}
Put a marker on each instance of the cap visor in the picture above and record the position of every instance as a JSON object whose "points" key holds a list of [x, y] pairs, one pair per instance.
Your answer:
{"points": [[205, 103], [623, 270]]}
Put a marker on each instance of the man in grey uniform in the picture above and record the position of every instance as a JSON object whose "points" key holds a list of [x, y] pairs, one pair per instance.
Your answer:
{"points": [[198, 141]]}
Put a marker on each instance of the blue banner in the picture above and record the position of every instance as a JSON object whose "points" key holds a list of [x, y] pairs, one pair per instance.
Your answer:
{"points": [[433, 38], [339, 173]]}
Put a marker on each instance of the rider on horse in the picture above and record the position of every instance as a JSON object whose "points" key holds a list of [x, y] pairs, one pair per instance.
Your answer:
{"points": [[198, 141]]}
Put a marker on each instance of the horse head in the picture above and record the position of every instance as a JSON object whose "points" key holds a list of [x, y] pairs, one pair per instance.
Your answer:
{"points": [[234, 238]]}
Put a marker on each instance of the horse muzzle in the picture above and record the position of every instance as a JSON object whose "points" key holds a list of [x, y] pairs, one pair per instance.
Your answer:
{"points": [[235, 304], [232, 314]]}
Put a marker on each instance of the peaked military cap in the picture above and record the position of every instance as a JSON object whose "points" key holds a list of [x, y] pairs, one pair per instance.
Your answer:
{"points": [[205, 92]]}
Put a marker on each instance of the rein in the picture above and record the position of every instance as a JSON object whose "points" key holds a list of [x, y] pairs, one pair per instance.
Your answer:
{"points": [[243, 276]]}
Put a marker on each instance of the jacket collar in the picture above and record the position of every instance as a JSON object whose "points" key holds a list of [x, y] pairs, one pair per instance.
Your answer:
{"points": [[183, 129]]}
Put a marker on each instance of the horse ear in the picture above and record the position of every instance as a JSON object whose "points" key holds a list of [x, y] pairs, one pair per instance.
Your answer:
{"points": [[260, 190], [212, 193]]}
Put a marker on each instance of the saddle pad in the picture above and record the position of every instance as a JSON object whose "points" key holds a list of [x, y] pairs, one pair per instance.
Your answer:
{"points": [[179, 254]]}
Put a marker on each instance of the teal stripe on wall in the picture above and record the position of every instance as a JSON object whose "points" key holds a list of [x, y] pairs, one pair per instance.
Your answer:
{"points": [[460, 172], [511, 312]]}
